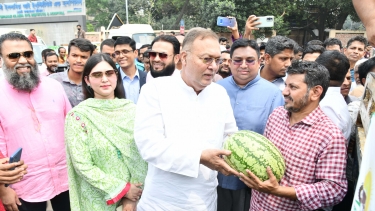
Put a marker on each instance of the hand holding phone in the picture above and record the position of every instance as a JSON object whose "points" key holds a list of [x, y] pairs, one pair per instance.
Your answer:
{"points": [[226, 21], [13, 173]]}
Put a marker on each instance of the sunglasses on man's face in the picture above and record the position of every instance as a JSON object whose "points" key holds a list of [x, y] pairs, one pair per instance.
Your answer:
{"points": [[240, 61], [113, 55], [153, 55], [108, 74], [16, 56]]}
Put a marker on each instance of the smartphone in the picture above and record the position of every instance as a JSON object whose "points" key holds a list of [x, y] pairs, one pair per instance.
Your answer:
{"points": [[15, 157], [266, 21], [225, 21]]}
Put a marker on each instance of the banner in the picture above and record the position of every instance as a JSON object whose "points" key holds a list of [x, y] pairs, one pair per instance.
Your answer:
{"points": [[364, 198], [31, 9]]}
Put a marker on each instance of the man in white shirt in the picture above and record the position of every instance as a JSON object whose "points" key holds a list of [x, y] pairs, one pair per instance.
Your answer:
{"points": [[333, 104], [164, 55], [180, 126]]}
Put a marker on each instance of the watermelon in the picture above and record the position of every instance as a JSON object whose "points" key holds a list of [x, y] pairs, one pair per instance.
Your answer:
{"points": [[254, 152]]}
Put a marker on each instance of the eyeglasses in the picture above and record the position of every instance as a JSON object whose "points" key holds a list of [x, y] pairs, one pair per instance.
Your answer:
{"points": [[153, 54], [240, 61], [111, 55], [16, 56], [123, 51], [209, 60], [108, 74]]}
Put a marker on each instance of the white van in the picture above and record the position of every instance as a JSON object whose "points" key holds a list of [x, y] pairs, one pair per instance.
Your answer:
{"points": [[141, 33]]}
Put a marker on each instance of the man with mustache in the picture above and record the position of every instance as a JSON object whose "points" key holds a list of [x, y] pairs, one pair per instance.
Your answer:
{"points": [[354, 51], [313, 148], [79, 51], [164, 55], [224, 69], [51, 62], [32, 116]]}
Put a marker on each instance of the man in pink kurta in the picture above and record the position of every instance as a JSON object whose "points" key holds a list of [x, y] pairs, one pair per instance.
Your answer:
{"points": [[32, 116]]}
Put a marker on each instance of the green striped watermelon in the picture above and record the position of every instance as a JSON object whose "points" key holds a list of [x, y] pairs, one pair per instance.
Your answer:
{"points": [[254, 152]]}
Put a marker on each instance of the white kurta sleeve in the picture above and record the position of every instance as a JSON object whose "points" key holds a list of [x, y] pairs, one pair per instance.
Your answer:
{"points": [[176, 156]]}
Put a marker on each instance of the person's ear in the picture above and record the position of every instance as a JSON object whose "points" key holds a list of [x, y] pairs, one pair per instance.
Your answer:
{"points": [[316, 92]]}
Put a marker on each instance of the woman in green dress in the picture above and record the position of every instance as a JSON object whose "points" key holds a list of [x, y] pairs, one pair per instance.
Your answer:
{"points": [[104, 166]]}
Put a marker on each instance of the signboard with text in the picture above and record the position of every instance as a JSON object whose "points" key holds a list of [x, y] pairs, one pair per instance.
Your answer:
{"points": [[32, 9]]}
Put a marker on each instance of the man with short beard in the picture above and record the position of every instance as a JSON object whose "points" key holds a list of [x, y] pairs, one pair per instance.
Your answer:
{"points": [[312, 146], [224, 69], [164, 54], [32, 116], [51, 63]]}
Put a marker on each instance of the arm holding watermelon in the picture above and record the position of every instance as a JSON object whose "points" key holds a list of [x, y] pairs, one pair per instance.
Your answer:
{"points": [[211, 158], [270, 186]]}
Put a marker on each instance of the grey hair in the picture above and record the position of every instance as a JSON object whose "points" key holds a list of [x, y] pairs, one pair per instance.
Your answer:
{"points": [[196, 33], [277, 44], [315, 74], [13, 36]]}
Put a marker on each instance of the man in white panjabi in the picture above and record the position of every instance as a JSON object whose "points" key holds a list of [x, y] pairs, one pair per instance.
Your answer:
{"points": [[180, 126]]}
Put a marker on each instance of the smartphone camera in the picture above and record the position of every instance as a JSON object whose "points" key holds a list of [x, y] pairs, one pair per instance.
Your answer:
{"points": [[61, 68], [269, 19]]}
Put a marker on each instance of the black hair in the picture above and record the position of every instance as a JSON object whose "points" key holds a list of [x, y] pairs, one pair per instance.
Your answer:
{"points": [[145, 46], [82, 44], [107, 42], [171, 39], [79, 25], [50, 54], [277, 44], [145, 54], [313, 49], [365, 68], [315, 42], [172, 32], [226, 51], [58, 50], [240, 43], [90, 64], [32, 30], [13, 36], [315, 74], [361, 39], [262, 46], [336, 63], [332, 41], [126, 41], [223, 39], [45, 51]]}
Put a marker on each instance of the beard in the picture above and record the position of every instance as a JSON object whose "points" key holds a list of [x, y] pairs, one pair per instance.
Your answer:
{"points": [[224, 73], [167, 71], [301, 103], [25, 81]]}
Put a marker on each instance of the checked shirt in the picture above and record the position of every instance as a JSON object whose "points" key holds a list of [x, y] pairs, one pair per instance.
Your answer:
{"points": [[314, 151]]}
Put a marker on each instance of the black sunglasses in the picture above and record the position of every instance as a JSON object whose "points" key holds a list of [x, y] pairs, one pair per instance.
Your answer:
{"points": [[17, 56]]}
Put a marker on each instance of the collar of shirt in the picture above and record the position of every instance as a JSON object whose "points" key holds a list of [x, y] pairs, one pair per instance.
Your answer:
{"points": [[123, 75], [256, 79], [310, 119], [65, 78]]}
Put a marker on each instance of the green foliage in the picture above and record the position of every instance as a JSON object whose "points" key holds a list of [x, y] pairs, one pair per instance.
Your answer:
{"points": [[90, 27]]}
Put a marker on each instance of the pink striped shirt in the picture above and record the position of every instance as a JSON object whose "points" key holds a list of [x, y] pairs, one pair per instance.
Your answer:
{"points": [[35, 121]]}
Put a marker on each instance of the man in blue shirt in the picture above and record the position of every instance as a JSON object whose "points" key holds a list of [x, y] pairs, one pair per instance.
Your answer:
{"points": [[132, 78], [253, 99]]}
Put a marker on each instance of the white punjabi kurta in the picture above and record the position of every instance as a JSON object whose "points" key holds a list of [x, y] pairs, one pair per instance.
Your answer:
{"points": [[173, 126]]}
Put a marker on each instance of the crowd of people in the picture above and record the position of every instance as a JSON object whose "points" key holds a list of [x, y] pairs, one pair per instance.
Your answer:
{"points": [[144, 128]]}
